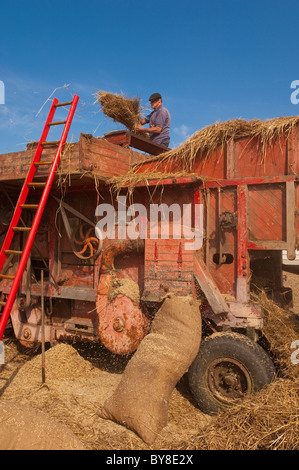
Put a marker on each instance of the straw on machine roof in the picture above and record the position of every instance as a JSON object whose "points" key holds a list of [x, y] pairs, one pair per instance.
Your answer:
{"points": [[131, 179], [208, 139], [204, 142]]}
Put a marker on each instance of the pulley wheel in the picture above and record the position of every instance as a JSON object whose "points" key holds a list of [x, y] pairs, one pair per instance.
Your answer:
{"points": [[122, 325]]}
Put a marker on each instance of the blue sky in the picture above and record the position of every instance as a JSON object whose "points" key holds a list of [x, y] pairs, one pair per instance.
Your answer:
{"points": [[211, 61]]}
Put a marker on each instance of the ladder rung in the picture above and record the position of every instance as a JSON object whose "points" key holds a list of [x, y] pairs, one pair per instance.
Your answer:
{"points": [[42, 163], [13, 252], [7, 276], [50, 144], [21, 229], [2, 303], [67, 103], [56, 123], [36, 184], [29, 206]]}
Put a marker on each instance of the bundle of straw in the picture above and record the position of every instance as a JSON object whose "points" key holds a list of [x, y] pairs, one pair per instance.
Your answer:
{"points": [[120, 108], [281, 328]]}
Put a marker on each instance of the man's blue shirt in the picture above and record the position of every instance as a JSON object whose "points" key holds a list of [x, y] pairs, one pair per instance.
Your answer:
{"points": [[160, 117]]}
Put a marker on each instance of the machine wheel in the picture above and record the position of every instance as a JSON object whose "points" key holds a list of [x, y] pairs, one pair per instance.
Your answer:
{"points": [[227, 367]]}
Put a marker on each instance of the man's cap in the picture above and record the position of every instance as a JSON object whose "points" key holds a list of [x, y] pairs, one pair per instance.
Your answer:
{"points": [[155, 96]]}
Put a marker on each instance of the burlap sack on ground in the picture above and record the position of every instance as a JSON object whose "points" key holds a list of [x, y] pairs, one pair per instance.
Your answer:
{"points": [[140, 402], [25, 428]]}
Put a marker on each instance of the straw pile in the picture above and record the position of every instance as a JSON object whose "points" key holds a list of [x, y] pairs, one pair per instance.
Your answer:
{"points": [[120, 108], [63, 361], [269, 419], [75, 388], [204, 142], [281, 328]]}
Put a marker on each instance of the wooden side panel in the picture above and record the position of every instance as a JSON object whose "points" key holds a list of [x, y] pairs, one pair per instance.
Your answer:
{"points": [[15, 166], [168, 268], [90, 155], [221, 242], [243, 158], [168, 261], [267, 212], [212, 167], [293, 152], [251, 160], [105, 159]]}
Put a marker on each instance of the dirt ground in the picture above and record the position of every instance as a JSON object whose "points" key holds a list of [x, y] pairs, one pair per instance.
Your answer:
{"points": [[76, 387], [80, 377]]}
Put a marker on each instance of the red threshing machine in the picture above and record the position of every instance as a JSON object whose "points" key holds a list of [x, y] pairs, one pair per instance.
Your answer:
{"points": [[250, 208]]}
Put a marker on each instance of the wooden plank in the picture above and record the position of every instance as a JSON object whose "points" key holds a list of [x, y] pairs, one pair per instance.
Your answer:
{"points": [[171, 258], [291, 220], [167, 275], [230, 159], [249, 181], [14, 166], [155, 289], [126, 138], [293, 152], [242, 288], [92, 155], [266, 245], [251, 161], [208, 286], [104, 158], [266, 212]]}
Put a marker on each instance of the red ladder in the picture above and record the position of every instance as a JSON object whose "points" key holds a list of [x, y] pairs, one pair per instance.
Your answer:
{"points": [[21, 204]]}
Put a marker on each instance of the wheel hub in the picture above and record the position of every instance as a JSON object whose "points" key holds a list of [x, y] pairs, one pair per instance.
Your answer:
{"points": [[228, 379]]}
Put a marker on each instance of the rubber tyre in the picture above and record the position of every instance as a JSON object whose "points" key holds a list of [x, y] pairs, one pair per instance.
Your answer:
{"points": [[233, 352]]}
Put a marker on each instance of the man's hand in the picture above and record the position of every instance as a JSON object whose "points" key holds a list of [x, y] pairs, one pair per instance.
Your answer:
{"points": [[151, 130]]}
